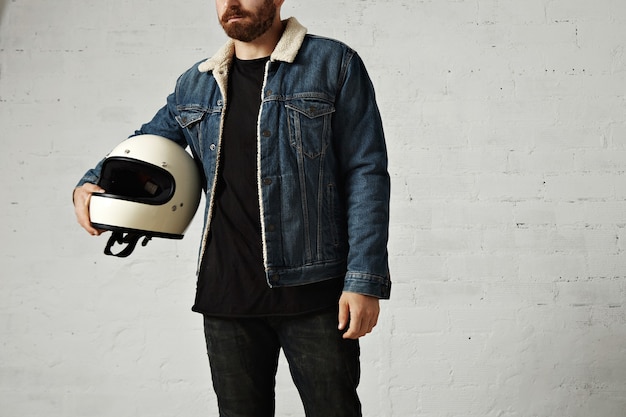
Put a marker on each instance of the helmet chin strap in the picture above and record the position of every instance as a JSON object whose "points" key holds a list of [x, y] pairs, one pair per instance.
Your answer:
{"points": [[129, 239]]}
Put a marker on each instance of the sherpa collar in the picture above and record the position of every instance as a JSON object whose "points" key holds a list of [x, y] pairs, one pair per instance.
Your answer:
{"points": [[286, 49]]}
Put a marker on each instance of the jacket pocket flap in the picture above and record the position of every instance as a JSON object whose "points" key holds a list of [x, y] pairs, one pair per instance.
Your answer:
{"points": [[188, 117], [311, 108]]}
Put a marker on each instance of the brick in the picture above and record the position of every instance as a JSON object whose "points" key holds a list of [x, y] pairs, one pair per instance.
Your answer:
{"points": [[542, 267], [578, 294], [505, 187], [463, 214], [484, 265], [561, 10], [593, 187], [444, 186]]}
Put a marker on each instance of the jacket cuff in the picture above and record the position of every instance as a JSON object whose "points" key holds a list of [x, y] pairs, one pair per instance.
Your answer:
{"points": [[368, 284]]}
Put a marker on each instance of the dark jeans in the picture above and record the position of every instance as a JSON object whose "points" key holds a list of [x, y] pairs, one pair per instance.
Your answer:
{"points": [[243, 353]]}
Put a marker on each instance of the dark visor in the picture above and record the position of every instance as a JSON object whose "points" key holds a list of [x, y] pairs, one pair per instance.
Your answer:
{"points": [[130, 179]]}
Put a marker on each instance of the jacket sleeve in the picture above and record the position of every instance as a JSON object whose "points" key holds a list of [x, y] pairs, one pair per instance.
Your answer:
{"points": [[361, 151], [164, 122]]}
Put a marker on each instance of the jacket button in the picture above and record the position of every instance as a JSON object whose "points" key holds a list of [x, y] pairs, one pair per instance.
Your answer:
{"points": [[266, 133], [275, 278], [271, 228], [267, 181], [212, 147], [268, 93]]}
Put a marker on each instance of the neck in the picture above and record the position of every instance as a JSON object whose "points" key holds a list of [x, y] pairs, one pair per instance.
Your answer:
{"points": [[263, 45]]}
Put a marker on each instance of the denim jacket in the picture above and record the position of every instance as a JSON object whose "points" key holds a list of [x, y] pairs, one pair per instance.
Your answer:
{"points": [[323, 185]]}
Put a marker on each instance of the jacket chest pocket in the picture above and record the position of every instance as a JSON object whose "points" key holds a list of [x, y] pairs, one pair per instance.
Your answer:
{"points": [[189, 116], [309, 125], [197, 121]]}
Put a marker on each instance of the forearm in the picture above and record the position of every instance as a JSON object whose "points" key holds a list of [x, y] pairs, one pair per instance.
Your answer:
{"points": [[362, 155]]}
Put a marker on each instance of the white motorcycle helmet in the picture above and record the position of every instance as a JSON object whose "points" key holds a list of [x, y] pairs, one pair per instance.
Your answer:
{"points": [[152, 189]]}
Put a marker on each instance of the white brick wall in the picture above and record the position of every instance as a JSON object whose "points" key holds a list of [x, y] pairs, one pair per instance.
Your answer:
{"points": [[506, 125]]}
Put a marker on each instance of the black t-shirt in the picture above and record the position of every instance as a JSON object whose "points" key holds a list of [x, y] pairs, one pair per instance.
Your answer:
{"points": [[232, 278]]}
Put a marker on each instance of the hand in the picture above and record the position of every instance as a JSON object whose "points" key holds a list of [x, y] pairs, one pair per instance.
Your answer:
{"points": [[82, 196], [361, 311]]}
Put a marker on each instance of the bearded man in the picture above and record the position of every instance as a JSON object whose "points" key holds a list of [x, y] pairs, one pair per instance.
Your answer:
{"points": [[294, 251]]}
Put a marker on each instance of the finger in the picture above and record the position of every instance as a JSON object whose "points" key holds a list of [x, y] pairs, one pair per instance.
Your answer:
{"points": [[95, 189], [344, 315], [81, 208], [356, 327], [373, 321], [85, 222], [363, 324], [82, 198]]}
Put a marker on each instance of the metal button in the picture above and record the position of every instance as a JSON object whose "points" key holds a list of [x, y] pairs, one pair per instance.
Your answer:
{"points": [[267, 181], [212, 147], [267, 133]]}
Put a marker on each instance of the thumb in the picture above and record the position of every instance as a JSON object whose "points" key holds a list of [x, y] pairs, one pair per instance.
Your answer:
{"points": [[344, 314]]}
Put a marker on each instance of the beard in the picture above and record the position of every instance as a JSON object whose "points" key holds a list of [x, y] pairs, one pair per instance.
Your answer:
{"points": [[247, 31]]}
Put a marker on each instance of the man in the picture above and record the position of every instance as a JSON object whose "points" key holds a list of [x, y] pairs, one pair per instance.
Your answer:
{"points": [[293, 255]]}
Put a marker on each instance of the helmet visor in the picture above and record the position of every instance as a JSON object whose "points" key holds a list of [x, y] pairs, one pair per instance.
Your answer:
{"points": [[133, 180]]}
